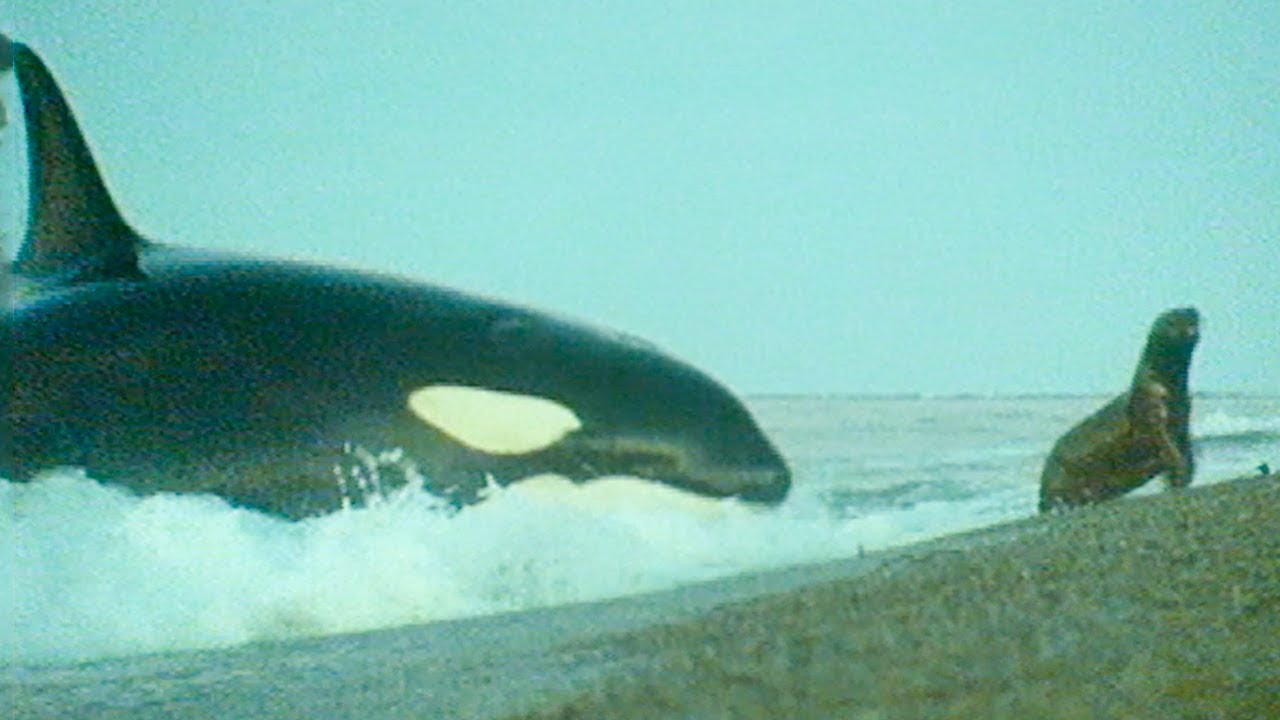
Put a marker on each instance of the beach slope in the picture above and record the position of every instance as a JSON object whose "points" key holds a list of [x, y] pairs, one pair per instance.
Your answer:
{"points": [[1162, 606]]}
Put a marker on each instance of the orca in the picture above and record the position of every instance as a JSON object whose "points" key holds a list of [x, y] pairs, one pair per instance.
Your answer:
{"points": [[299, 389]]}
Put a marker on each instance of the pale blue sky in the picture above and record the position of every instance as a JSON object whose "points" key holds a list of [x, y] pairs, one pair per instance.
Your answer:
{"points": [[847, 196]]}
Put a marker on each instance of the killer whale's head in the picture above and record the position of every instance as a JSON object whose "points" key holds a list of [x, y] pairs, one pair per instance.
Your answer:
{"points": [[538, 394]]}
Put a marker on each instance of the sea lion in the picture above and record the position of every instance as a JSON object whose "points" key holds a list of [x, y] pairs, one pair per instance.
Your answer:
{"points": [[1138, 435]]}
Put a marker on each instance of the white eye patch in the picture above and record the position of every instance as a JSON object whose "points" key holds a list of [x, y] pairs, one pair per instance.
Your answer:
{"points": [[493, 421]]}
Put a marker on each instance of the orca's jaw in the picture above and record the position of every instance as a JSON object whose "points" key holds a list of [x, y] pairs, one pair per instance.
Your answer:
{"points": [[584, 457]]}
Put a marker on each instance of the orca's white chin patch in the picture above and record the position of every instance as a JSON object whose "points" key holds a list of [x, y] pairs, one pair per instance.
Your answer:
{"points": [[493, 421]]}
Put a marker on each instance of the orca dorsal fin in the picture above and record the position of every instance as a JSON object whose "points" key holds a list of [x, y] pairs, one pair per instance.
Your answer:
{"points": [[74, 231]]}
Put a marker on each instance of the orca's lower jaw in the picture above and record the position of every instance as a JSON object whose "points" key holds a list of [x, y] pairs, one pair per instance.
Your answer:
{"points": [[766, 480], [764, 486]]}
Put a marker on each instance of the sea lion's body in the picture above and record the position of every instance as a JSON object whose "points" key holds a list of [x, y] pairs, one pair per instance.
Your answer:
{"points": [[1142, 433]]}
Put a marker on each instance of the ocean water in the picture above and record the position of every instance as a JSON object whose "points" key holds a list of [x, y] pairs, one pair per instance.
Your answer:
{"points": [[89, 571]]}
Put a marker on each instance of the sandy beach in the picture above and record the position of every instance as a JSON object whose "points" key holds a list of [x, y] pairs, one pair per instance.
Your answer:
{"points": [[1165, 606], [1162, 606]]}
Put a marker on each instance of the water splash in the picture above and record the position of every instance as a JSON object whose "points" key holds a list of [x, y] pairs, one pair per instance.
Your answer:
{"points": [[93, 570]]}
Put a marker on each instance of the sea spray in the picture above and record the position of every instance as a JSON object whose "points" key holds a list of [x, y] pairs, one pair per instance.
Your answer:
{"points": [[93, 571], [89, 570]]}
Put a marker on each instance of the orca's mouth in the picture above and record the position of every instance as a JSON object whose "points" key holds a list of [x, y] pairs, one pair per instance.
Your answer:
{"points": [[762, 485], [766, 481], [758, 484], [767, 487]]}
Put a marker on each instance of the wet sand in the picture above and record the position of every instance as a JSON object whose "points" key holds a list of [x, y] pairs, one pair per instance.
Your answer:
{"points": [[1164, 606]]}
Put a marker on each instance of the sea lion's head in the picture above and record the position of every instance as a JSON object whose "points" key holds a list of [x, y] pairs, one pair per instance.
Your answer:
{"points": [[1175, 329], [1172, 339]]}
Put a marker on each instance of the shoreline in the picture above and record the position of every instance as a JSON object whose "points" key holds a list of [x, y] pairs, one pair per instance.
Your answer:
{"points": [[1164, 605], [1167, 606]]}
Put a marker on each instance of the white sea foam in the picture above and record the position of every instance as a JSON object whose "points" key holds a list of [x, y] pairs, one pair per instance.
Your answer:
{"points": [[91, 570], [1218, 423]]}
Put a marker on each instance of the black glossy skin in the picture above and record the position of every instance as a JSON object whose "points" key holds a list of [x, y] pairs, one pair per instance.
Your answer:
{"points": [[166, 370]]}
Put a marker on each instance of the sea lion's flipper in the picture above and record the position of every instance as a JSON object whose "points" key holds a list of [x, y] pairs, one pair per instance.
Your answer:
{"points": [[74, 231], [1149, 416]]}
